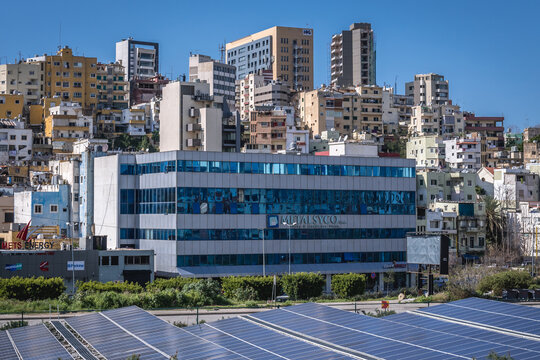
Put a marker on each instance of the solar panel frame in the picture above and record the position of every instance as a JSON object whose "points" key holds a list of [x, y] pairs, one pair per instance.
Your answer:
{"points": [[7, 351], [36, 342]]}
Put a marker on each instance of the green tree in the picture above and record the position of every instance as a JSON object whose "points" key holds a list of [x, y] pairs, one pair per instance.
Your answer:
{"points": [[494, 221]]}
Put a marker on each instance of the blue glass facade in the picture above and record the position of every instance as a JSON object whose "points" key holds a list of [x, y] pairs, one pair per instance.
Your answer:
{"points": [[256, 234], [236, 167], [301, 258], [266, 201]]}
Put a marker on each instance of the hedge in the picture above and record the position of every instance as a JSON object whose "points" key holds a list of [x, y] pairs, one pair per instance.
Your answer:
{"points": [[260, 286], [302, 285], [348, 285], [172, 283], [99, 287], [513, 279], [31, 288]]}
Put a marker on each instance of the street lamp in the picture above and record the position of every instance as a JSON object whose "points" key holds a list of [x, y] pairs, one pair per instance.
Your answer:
{"points": [[72, 263], [289, 226]]}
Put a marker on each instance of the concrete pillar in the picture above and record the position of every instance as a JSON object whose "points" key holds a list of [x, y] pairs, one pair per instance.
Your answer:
{"points": [[328, 285], [381, 281]]}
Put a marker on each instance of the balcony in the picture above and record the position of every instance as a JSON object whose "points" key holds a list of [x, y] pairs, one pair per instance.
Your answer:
{"points": [[193, 127], [193, 142]]}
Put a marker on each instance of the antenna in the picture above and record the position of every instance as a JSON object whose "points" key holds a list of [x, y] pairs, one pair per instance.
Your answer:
{"points": [[60, 36], [395, 85], [221, 49]]}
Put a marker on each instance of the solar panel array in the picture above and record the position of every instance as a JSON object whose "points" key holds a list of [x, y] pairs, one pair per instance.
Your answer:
{"points": [[465, 329]]}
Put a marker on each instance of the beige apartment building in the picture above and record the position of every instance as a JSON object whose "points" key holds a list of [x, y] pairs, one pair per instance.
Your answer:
{"points": [[70, 77], [112, 86], [347, 111], [287, 51], [22, 78], [65, 124], [428, 89], [446, 120]]}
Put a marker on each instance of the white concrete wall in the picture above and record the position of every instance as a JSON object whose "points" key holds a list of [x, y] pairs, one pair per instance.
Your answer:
{"points": [[107, 198]]}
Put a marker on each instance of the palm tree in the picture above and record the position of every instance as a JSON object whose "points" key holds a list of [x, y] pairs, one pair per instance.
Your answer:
{"points": [[494, 221]]}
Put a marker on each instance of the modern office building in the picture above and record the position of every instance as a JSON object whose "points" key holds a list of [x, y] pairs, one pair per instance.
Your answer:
{"points": [[287, 51], [353, 56], [428, 89], [221, 77], [210, 214], [140, 58]]}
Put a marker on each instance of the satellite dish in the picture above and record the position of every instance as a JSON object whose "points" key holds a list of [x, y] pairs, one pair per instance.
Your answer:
{"points": [[345, 137]]}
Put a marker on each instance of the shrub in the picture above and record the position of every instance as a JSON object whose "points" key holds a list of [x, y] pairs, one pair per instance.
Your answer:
{"points": [[348, 285], [513, 279], [31, 288], [173, 283], [201, 293], [13, 325], [302, 285], [463, 281], [233, 286], [98, 287]]}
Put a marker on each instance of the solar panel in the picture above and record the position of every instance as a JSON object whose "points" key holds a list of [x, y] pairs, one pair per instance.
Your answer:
{"points": [[77, 345], [489, 313], [356, 332], [518, 347], [7, 351], [110, 340], [391, 340], [37, 342], [256, 342], [166, 337]]}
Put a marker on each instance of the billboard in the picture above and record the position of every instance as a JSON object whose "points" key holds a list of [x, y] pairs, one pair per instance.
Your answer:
{"points": [[79, 265], [422, 249]]}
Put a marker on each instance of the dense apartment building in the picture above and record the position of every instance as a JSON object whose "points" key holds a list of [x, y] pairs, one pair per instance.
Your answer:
{"points": [[245, 91], [112, 86], [353, 56], [512, 186], [428, 89], [11, 106], [287, 51], [463, 153], [15, 142], [66, 124], [531, 152], [530, 133], [347, 110], [446, 120], [274, 129], [221, 77], [428, 150], [192, 119], [144, 90], [139, 58], [23, 78], [490, 130], [69, 77]]}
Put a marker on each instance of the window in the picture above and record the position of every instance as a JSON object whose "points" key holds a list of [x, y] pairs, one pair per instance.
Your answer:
{"points": [[114, 260], [23, 137], [105, 260], [8, 217], [54, 208], [38, 209], [136, 260]]}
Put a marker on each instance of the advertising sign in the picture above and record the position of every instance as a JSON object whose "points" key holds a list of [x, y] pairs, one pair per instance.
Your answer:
{"points": [[79, 265], [13, 267], [44, 266]]}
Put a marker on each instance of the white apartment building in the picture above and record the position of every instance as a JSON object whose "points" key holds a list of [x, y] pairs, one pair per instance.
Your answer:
{"points": [[446, 120], [191, 118], [140, 58], [221, 77], [512, 186], [245, 94], [65, 124], [428, 89], [428, 151], [133, 122], [23, 78], [390, 112], [463, 153], [151, 112], [15, 142]]}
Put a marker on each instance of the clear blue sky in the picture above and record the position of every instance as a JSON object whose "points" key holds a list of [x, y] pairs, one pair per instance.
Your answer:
{"points": [[488, 50]]}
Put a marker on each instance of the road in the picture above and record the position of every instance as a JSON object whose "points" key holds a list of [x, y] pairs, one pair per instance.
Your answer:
{"points": [[189, 317]]}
